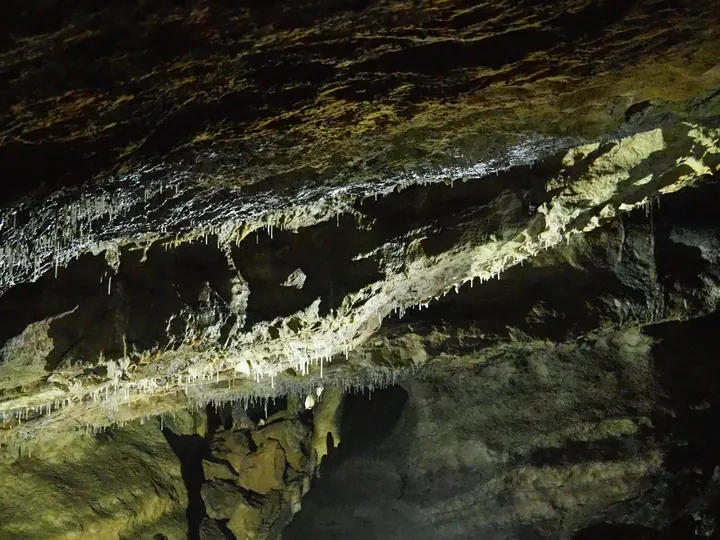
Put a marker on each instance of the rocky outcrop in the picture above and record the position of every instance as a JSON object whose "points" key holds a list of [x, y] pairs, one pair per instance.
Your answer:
{"points": [[532, 440], [235, 471], [255, 478], [255, 472]]}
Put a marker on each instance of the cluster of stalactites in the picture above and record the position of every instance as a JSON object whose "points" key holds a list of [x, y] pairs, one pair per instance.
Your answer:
{"points": [[308, 391], [116, 393], [76, 222], [39, 236]]}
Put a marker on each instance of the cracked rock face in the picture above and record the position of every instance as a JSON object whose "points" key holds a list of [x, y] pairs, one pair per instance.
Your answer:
{"points": [[225, 225]]}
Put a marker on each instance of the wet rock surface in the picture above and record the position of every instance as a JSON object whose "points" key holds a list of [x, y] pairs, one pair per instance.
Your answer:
{"points": [[225, 227]]}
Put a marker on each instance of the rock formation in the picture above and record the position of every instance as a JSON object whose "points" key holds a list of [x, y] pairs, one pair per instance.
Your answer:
{"points": [[433, 269]]}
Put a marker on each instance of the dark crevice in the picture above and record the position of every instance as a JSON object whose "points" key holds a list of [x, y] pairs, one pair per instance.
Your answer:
{"points": [[616, 531], [679, 263], [263, 409], [368, 421], [190, 450], [419, 205], [683, 228], [683, 528], [553, 303], [216, 419], [636, 108], [113, 312], [268, 261], [573, 452], [686, 363], [369, 416], [222, 525], [77, 284]]}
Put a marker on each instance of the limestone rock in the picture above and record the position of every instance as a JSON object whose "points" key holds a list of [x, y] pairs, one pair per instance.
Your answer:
{"points": [[221, 498], [210, 530], [218, 471], [231, 447], [247, 523], [240, 418], [291, 435], [326, 422], [295, 279], [262, 471], [117, 484]]}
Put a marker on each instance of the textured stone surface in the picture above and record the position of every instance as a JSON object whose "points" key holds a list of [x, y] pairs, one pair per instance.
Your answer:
{"points": [[557, 402], [254, 478], [535, 439], [301, 89], [123, 483]]}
